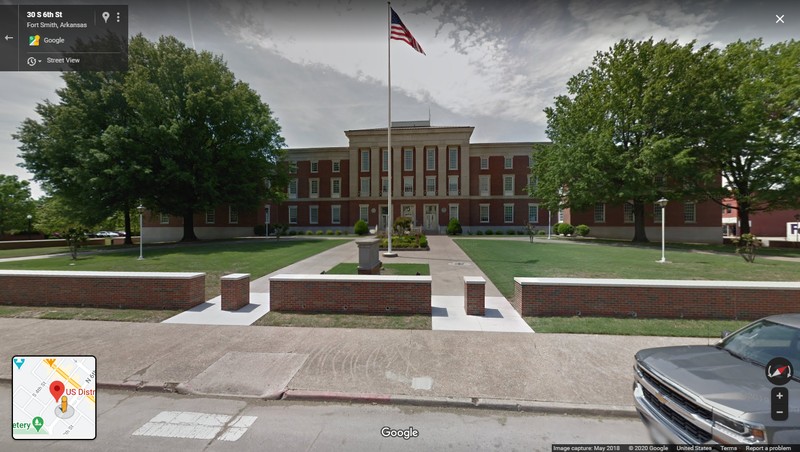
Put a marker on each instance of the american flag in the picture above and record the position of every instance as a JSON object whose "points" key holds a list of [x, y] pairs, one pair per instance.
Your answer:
{"points": [[401, 33]]}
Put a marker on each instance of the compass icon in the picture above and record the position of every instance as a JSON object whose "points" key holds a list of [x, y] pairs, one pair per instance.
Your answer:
{"points": [[779, 371]]}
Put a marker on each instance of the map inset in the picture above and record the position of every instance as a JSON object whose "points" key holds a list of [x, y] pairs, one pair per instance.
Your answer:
{"points": [[54, 397]]}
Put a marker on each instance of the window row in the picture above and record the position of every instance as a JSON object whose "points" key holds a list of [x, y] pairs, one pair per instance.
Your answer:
{"points": [[408, 159], [313, 214], [689, 212], [211, 216], [508, 213]]}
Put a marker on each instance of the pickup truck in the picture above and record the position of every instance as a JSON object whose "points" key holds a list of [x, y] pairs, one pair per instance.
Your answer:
{"points": [[720, 394]]}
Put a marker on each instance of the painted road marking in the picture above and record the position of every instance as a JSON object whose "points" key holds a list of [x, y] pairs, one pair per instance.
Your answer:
{"points": [[187, 424]]}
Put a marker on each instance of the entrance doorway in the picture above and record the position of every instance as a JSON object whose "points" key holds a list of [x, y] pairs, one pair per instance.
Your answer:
{"points": [[431, 220], [410, 211], [383, 218]]}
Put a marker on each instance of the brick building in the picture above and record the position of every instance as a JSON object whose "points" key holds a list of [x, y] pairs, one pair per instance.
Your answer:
{"points": [[437, 174], [762, 224]]}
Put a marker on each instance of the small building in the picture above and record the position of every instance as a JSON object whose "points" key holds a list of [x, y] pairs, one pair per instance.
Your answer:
{"points": [[762, 223]]}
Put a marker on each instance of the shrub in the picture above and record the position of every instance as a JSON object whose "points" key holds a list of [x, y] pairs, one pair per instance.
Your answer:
{"points": [[320, 232], [566, 229], [454, 227], [292, 232], [338, 232], [746, 246], [76, 238], [328, 232], [280, 229], [309, 232], [520, 232], [423, 242], [540, 232], [260, 229], [510, 232], [555, 228], [582, 230], [469, 232], [489, 232], [402, 224], [479, 232], [361, 228]]}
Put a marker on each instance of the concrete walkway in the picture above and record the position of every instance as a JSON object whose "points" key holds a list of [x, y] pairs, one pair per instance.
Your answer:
{"points": [[448, 266]]}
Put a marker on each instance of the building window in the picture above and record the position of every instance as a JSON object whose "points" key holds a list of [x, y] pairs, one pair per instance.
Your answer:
{"points": [[533, 213], [293, 189], [336, 214], [599, 213], [508, 185], [384, 186], [408, 186], [452, 185], [164, 218], [430, 159], [560, 215], [292, 214], [484, 185], [689, 212], [314, 166], [364, 161], [211, 216], [337, 166], [656, 213], [313, 188], [484, 210], [508, 162], [336, 187], [484, 162], [233, 215], [453, 153], [408, 160], [532, 182], [627, 212], [430, 185], [508, 213], [454, 211], [313, 214], [364, 186], [293, 168], [385, 161], [363, 212]]}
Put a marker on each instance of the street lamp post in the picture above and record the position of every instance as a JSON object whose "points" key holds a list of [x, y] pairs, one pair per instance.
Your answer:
{"points": [[29, 226], [141, 235], [663, 203]]}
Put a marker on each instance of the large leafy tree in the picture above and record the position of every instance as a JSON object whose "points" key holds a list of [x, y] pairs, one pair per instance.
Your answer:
{"points": [[209, 138], [15, 203], [753, 137], [622, 128], [176, 131]]}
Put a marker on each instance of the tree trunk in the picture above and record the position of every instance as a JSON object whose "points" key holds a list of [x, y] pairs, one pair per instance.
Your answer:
{"points": [[128, 236], [639, 233], [188, 227], [744, 218]]}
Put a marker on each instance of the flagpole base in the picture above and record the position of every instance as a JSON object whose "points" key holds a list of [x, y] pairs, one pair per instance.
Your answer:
{"points": [[388, 254]]}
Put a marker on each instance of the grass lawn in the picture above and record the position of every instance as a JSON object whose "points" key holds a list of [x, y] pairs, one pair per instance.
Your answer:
{"points": [[40, 251], [388, 269], [120, 315], [502, 260], [396, 322], [257, 257], [634, 327]]}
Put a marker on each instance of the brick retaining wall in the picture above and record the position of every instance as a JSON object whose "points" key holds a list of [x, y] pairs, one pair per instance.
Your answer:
{"points": [[129, 290], [235, 291], [744, 300], [352, 294]]}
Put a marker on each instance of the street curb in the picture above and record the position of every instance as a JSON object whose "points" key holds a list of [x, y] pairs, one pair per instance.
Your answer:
{"points": [[527, 406]]}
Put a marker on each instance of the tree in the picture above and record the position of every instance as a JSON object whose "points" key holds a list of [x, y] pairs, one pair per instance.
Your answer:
{"points": [[15, 203], [209, 138], [753, 137], [628, 121], [54, 215]]}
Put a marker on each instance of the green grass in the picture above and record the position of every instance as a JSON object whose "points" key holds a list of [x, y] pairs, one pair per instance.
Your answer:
{"points": [[395, 322], [22, 252], [120, 315], [634, 327], [502, 260], [257, 257], [388, 269]]}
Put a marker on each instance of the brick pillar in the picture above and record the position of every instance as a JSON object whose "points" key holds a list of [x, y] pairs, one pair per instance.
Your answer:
{"points": [[475, 295], [235, 291]]}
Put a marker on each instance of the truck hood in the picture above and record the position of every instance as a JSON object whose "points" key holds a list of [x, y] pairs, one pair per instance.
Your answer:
{"points": [[727, 383]]}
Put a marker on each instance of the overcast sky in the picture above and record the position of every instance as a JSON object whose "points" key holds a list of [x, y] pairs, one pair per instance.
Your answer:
{"points": [[322, 66]]}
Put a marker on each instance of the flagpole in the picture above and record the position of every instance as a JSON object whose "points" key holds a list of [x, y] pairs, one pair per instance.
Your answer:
{"points": [[389, 252]]}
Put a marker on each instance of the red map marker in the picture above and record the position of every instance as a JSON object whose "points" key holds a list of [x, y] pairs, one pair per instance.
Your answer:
{"points": [[56, 389]]}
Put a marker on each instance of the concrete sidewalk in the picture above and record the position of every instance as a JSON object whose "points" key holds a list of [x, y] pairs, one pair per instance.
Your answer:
{"points": [[564, 373]]}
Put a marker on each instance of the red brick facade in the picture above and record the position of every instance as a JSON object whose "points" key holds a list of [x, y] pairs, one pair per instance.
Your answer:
{"points": [[362, 294], [126, 290], [542, 297], [474, 295]]}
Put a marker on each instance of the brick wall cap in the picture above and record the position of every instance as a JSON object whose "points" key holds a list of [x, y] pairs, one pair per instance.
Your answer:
{"points": [[101, 274], [659, 283], [474, 280], [351, 278], [235, 276]]}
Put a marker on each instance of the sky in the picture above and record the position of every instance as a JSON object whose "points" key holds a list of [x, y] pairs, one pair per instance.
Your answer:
{"points": [[322, 66]]}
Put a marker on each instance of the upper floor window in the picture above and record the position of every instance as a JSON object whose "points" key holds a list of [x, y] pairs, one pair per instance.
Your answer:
{"points": [[484, 162], [453, 158], [430, 159], [336, 187], [314, 166], [408, 160], [385, 160], [313, 188], [508, 185], [364, 186], [483, 185], [508, 162], [452, 185], [430, 185], [337, 166], [293, 188], [364, 161]]}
